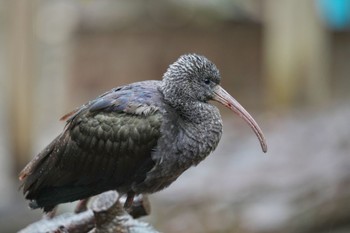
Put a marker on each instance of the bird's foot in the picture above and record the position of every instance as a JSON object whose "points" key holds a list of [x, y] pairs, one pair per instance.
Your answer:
{"points": [[129, 200], [51, 214], [81, 206], [140, 206]]}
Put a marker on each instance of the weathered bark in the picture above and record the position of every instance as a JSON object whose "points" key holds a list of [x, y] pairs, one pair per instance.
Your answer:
{"points": [[106, 215]]}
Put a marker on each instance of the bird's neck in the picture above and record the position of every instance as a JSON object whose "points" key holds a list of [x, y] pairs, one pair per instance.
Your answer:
{"points": [[179, 99], [193, 112], [201, 126], [199, 121], [203, 118], [181, 103], [190, 133]]}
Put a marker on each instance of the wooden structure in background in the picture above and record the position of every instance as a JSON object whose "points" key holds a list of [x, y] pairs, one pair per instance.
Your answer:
{"points": [[21, 74], [296, 54]]}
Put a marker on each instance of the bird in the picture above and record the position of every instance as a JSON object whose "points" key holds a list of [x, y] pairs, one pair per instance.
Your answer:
{"points": [[135, 139]]}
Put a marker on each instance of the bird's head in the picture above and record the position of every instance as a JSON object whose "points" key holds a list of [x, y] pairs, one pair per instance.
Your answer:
{"points": [[193, 78]]}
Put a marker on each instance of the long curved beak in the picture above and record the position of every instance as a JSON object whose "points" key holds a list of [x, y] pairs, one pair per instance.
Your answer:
{"points": [[227, 100]]}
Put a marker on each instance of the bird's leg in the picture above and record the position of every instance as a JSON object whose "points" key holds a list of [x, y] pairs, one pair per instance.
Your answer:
{"points": [[129, 200], [140, 207], [81, 206], [51, 214]]}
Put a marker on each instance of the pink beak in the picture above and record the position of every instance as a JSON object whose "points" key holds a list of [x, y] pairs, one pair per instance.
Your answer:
{"points": [[227, 100]]}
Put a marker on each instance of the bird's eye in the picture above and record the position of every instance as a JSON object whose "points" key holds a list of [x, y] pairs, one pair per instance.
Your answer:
{"points": [[207, 81]]}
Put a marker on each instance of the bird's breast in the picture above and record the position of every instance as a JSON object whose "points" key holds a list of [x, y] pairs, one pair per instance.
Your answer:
{"points": [[197, 140], [183, 144]]}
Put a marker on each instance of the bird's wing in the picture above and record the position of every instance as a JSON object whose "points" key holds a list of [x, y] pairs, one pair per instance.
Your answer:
{"points": [[107, 144]]}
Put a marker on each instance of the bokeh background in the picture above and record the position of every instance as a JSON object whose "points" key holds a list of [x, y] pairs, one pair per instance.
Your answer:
{"points": [[286, 61]]}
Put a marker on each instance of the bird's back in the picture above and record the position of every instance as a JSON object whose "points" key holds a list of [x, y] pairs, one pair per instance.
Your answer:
{"points": [[107, 144]]}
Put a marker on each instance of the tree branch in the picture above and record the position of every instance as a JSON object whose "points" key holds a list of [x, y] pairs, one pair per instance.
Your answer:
{"points": [[106, 215]]}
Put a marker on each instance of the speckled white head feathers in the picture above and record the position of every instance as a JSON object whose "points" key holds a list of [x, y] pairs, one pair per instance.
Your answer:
{"points": [[193, 66], [191, 78]]}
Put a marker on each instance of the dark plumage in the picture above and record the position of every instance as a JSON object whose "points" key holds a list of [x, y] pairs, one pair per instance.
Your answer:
{"points": [[135, 139]]}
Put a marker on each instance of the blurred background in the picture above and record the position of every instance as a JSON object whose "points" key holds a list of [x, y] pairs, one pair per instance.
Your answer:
{"points": [[286, 61]]}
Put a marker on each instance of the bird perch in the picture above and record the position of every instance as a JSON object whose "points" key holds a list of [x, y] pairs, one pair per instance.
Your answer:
{"points": [[105, 215]]}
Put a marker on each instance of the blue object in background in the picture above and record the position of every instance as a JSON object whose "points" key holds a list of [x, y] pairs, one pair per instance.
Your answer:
{"points": [[336, 13]]}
